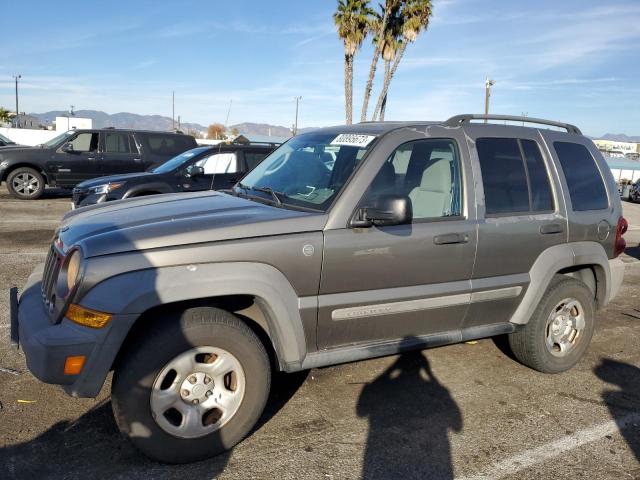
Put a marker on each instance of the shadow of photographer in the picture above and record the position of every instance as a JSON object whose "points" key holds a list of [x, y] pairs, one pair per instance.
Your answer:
{"points": [[410, 415]]}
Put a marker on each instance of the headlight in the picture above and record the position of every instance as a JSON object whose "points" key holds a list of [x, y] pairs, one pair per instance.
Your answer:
{"points": [[105, 187], [69, 275]]}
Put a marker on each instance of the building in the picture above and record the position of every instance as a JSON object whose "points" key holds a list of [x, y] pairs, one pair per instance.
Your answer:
{"points": [[623, 168], [27, 121], [72, 123], [612, 148]]}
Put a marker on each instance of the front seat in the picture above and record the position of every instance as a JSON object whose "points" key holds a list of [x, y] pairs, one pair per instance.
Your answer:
{"points": [[432, 198]]}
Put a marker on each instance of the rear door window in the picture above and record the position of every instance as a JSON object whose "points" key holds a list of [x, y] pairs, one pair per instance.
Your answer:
{"points": [[586, 186], [541, 195], [503, 176], [514, 176], [118, 143]]}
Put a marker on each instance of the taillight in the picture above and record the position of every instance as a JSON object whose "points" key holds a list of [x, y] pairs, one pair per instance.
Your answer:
{"points": [[620, 244]]}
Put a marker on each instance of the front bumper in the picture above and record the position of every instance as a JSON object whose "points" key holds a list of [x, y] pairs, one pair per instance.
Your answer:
{"points": [[46, 345]]}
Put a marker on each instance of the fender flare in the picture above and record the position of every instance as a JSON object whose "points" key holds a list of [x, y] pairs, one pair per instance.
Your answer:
{"points": [[135, 292], [556, 258]]}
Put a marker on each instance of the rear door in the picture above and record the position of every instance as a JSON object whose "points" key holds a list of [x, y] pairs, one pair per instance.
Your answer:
{"points": [[120, 154], [523, 213], [80, 164]]}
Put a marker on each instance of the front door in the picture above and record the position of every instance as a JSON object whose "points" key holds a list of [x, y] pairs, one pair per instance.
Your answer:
{"points": [[120, 154], [79, 162], [386, 283]]}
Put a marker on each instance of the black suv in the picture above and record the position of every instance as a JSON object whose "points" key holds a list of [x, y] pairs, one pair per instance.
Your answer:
{"points": [[202, 168], [79, 155]]}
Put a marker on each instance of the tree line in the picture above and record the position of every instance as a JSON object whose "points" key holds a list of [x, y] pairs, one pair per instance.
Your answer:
{"points": [[392, 27]]}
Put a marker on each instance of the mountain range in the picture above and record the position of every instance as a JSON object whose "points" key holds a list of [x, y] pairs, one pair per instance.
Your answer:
{"points": [[157, 122]]}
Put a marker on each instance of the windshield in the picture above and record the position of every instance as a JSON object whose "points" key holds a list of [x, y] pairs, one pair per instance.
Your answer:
{"points": [[309, 170], [5, 139], [55, 141], [178, 161]]}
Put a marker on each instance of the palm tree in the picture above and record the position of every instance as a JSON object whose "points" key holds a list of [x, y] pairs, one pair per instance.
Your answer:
{"points": [[411, 20], [4, 115], [378, 23], [352, 21]]}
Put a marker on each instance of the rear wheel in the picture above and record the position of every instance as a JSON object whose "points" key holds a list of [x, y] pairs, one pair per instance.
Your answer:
{"points": [[194, 388], [25, 183], [560, 329]]}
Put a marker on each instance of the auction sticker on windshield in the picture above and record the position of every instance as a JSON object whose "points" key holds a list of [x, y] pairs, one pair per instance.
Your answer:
{"points": [[353, 140]]}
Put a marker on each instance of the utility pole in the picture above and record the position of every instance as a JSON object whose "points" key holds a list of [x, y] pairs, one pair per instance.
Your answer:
{"points": [[17, 77], [173, 110], [524, 114], [178, 122], [295, 125], [488, 83]]}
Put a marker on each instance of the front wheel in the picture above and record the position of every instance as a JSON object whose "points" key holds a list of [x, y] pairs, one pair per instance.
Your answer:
{"points": [[194, 388], [25, 183], [560, 329]]}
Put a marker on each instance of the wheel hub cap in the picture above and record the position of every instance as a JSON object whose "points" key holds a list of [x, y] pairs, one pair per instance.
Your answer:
{"points": [[564, 327], [197, 392]]}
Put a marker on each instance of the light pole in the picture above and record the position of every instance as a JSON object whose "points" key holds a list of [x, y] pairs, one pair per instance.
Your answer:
{"points": [[173, 111], [488, 83], [17, 77], [295, 125]]}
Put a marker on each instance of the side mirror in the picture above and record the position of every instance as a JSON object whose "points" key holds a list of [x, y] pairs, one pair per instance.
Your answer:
{"points": [[68, 147], [386, 210], [195, 171]]}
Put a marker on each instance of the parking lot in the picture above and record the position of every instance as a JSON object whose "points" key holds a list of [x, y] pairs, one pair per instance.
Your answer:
{"points": [[461, 411]]}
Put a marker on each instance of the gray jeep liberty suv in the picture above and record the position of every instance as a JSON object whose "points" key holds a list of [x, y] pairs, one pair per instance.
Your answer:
{"points": [[346, 243]]}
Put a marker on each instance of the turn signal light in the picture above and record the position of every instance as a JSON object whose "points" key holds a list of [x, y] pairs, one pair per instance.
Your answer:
{"points": [[73, 365], [87, 317]]}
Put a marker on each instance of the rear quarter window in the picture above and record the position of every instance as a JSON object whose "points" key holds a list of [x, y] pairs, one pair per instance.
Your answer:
{"points": [[584, 180]]}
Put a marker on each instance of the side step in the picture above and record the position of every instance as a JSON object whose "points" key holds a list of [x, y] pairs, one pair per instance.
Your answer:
{"points": [[354, 353]]}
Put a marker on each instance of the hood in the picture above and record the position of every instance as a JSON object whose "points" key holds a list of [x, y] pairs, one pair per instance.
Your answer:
{"points": [[11, 149], [114, 178], [179, 219]]}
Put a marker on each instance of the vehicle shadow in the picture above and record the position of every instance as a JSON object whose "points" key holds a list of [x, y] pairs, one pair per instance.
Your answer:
{"points": [[410, 414], [92, 447], [625, 401]]}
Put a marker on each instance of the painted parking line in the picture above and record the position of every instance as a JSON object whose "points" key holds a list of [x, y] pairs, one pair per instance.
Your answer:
{"points": [[522, 461]]}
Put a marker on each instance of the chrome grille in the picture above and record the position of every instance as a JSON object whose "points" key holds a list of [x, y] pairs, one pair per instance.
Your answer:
{"points": [[51, 269]]}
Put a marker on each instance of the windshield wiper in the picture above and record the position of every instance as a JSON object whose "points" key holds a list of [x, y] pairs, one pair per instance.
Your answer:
{"points": [[275, 195]]}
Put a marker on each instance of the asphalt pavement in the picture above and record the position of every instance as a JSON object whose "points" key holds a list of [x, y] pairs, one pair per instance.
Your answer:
{"points": [[462, 411]]}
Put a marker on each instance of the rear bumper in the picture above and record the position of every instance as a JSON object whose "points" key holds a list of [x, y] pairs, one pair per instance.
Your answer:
{"points": [[46, 346], [616, 267]]}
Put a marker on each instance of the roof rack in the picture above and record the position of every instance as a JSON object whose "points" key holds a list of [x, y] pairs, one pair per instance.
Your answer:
{"points": [[459, 120]]}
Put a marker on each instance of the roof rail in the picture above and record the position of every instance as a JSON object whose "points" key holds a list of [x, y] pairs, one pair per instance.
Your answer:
{"points": [[459, 120]]}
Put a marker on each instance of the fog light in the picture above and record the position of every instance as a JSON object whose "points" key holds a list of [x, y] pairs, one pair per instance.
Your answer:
{"points": [[87, 317], [73, 365]]}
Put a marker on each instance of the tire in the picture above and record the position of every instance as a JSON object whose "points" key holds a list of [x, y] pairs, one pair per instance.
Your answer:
{"points": [[25, 183], [540, 343], [142, 378]]}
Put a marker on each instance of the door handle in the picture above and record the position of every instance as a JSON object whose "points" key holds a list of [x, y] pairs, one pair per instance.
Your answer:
{"points": [[551, 228], [451, 238], [137, 160], [91, 158]]}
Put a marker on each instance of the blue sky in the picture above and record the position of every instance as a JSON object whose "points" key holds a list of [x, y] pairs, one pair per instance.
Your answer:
{"points": [[571, 60]]}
